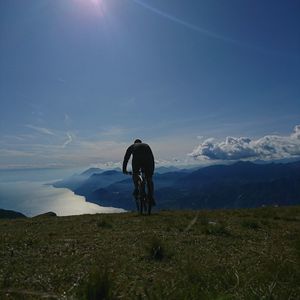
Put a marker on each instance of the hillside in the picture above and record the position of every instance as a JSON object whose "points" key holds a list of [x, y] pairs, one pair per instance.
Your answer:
{"points": [[222, 254]]}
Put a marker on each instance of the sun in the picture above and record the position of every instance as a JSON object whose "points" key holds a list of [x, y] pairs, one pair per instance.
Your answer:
{"points": [[96, 2], [96, 6]]}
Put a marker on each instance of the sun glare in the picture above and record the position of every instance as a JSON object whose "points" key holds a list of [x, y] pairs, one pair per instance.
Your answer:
{"points": [[97, 6], [96, 2]]}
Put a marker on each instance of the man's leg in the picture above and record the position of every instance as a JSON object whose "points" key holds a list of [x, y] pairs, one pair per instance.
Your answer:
{"points": [[150, 185], [135, 178]]}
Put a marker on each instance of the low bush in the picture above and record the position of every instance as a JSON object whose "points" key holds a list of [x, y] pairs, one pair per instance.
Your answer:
{"points": [[98, 286]]}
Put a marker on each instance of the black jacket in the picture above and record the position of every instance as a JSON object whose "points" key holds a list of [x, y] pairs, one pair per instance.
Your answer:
{"points": [[142, 157]]}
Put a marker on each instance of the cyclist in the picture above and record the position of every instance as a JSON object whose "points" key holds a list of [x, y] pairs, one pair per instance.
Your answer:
{"points": [[142, 161]]}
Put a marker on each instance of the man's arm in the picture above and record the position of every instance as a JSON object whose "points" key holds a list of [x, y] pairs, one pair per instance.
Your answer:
{"points": [[126, 159], [152, 159]]}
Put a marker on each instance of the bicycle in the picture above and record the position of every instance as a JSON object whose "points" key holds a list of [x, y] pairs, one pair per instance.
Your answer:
{"points": [[143, 203]]}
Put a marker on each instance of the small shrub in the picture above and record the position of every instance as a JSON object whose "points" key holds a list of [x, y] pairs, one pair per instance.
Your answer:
{"points": [[204, 221], [217, 229], [5, 282], [250, 224], [265, 222], [291, 219], [156, 250], [97, 287], [296, 245], [103, 224], [193, 273]]}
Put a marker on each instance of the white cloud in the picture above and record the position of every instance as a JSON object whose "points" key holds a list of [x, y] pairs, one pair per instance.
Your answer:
{"points": [[112, 131], [40, 129], [104, 150], [68, 141], [129, 102], [61, 80], [107, 165], [162, 162], [67, 120], [235, 148], [296, 133], [15, 153]]}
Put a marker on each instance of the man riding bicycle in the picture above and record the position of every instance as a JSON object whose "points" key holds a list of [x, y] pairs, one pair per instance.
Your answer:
{"points": [[142, 161]]}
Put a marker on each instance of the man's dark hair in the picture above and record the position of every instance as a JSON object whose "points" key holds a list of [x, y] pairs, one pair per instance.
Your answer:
{"points": [[137, 141]]}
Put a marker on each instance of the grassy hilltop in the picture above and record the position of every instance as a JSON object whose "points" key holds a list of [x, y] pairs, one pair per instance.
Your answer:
{"points": [[234, 254]]}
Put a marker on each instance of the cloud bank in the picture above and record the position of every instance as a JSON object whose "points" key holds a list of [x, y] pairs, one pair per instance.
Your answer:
{"points": [[268, 147]]}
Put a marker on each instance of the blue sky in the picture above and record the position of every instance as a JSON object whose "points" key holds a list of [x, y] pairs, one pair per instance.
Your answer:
{"points": [[81, 79]]}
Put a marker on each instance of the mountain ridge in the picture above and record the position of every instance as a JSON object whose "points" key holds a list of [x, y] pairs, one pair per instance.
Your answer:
{"points": [[239, 185], [10, 214]]}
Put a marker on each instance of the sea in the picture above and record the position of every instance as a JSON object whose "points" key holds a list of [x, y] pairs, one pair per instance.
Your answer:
{"points": [[30, 192]]}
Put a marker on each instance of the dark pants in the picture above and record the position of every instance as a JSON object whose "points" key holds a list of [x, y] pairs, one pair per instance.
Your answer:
{"points": [[137, 168]]}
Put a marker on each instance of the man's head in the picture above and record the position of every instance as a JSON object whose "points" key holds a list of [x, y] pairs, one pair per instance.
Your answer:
{"points": [[137, 141]]}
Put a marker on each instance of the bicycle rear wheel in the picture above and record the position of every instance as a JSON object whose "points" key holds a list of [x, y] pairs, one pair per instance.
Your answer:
{"points": [[141, 195]]}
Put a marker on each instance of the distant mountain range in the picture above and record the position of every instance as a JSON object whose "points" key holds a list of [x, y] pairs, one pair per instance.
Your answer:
{"points": [[10, 214], [240, 185]]}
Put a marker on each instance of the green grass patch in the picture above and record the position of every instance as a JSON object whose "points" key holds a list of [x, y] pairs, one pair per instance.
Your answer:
{"points": [[222, 254]]}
